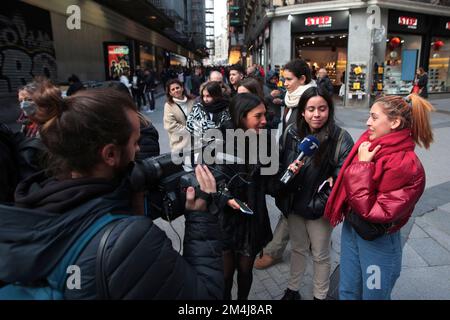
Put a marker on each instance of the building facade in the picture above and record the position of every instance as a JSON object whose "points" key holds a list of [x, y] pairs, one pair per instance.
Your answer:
{"points": [[373, 47], [92, 39]]}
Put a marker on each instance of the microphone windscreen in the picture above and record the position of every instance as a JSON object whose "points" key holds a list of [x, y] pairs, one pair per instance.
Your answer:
{"points": [[308, 145]]}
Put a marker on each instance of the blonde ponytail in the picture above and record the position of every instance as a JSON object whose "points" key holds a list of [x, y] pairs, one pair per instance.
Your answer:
{"points": [[421, 125]]}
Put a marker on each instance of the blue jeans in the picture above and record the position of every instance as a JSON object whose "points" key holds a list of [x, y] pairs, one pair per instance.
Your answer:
{"points": [[369, 269]]}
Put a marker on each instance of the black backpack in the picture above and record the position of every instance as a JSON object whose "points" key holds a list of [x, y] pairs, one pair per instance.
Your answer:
{"points": [[19, 158]]}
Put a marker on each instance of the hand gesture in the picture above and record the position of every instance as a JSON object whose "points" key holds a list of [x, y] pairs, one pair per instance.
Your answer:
{"points": [[364, 154]]}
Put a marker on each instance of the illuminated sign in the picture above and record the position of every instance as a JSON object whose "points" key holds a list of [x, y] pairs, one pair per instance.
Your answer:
{"points": [[320, 21], [410, 22]]}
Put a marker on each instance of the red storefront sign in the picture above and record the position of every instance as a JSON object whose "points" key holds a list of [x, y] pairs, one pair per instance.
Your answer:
{"points": [[320, 21], [410, 22]]}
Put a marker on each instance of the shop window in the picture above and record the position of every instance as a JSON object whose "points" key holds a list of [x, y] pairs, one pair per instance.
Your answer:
{"points": [[438, 70], [401, 62]]}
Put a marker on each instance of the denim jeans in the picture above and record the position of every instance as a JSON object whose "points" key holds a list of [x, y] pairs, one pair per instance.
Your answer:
{"points": [[369, 269]]}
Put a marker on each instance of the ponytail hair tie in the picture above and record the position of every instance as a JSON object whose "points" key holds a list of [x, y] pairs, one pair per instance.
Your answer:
{"points": [[408, 101]]}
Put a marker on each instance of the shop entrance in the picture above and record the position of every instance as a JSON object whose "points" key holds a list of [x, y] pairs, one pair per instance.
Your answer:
{"points": [[328, 51]]}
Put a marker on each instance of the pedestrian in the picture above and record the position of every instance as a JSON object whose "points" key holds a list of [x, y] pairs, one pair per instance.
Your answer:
{"points": [[74, 85], [375, 194], [297, 79], [302, 201], [92, 138], [422, 82], [236, 75], [176, 110], [245, 232], [210, 113], [324, 81], [33, 108], [149, 89]]}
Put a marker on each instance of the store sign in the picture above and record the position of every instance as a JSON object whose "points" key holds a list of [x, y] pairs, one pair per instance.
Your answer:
{"points": [[409, 22], [329, 21], [441, 26], [320, 21]]}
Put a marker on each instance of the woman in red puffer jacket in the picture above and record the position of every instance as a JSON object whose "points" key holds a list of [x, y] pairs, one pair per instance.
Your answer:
{"points": [[376, 192]]}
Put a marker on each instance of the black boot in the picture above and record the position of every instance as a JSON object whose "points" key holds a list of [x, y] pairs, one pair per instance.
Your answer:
{"points": [[291, 295]]}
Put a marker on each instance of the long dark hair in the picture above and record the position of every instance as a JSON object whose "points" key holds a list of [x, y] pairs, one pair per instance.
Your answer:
{"points": [[214, 89], [326, 132], [171, 82], [240, 106]]}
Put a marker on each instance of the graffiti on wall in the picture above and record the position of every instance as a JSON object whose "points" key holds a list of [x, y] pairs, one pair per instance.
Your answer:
{"points": [[26, 46]]}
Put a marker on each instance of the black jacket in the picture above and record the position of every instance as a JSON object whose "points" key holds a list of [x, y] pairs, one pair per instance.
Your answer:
{"points": [[148, 142], [326, 85], [140, 262], [299, 194], [423, 85], [246, 233]]}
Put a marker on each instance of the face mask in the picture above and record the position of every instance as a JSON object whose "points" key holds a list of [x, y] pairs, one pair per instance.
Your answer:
{"points": [[28, 107]]}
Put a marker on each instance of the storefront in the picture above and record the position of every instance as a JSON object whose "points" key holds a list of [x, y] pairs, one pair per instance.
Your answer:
{"points": [[439, 60], [321, 40], [405, 44], [147, 56]]}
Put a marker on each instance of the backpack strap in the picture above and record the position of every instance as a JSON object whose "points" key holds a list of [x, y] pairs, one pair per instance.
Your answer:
{"points": [[102, 284], [57, 278]]}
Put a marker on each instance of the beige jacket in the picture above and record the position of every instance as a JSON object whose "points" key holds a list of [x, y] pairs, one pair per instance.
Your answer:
{"points": [[175, 124]]}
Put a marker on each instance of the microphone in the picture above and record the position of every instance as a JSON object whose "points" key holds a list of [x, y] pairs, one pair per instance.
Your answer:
{"points": [[307, 147]]}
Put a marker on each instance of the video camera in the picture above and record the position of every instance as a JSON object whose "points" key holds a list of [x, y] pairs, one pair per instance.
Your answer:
{"points": [[166, 184]]}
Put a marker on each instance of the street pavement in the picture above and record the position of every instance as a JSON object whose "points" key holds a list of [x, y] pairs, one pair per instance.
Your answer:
{"points": [[426, 238]]}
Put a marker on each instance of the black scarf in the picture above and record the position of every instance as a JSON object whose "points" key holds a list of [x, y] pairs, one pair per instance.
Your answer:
{"points": [[216, 106]]}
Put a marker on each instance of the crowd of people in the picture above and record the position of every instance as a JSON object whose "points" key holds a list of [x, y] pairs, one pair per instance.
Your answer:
{"points": [[89, 140]]}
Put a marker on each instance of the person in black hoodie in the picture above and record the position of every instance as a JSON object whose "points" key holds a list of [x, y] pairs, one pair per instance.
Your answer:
{"points": [[92, 138]]}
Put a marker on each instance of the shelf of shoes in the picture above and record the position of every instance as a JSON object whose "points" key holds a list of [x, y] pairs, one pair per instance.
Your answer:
{"points": [[357, 80]]}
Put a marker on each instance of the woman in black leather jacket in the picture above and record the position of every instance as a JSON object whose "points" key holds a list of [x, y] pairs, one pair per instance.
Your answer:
{"points": [[245, 234], [300, 200]]}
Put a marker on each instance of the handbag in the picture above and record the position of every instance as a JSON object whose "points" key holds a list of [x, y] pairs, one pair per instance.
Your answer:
{"points": [[415, 89], [365, 229], [316, 206]]}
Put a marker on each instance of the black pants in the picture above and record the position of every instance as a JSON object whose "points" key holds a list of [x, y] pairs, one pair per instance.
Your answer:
{"points": [[139, 97], [151, 99]]}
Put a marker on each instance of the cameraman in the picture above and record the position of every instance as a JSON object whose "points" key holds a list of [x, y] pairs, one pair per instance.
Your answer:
{"points": [[92, 140]]}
